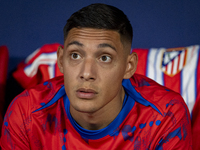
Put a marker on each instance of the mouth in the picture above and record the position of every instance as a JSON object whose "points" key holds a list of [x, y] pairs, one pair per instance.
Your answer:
{"points": [[83, 93]]}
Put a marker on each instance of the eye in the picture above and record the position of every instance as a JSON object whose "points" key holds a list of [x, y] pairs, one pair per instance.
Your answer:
{"points": [[105, 58], [75, 56]]}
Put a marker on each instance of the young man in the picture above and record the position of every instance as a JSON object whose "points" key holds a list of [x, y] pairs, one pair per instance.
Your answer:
{"points": [[98, 103]]}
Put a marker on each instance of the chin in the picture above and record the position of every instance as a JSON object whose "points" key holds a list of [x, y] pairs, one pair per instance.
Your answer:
{"points": [[86, 109]]}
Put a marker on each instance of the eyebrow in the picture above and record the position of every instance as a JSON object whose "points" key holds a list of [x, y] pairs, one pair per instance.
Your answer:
{"points": [[75, 43], [103, 45]]}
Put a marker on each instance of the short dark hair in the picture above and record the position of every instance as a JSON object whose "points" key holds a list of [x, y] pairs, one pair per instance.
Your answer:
{"points": [[101, 16]]}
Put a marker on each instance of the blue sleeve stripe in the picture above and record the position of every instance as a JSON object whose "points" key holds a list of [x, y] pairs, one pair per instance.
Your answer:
{"points": [[137, 96]]}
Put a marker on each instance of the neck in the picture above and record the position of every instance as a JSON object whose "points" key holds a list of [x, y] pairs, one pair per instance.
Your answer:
{"points": [[101, 118]]}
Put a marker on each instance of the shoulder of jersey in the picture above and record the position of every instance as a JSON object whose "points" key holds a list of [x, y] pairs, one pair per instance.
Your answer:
{"points": [[44, 92], [158, 95]]}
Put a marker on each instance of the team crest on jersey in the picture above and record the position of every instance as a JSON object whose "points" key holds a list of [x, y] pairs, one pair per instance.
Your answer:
{"points": [[173, 61]]}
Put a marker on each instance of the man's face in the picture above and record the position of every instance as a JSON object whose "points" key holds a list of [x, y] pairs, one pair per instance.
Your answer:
{"points": [[94, 63]]}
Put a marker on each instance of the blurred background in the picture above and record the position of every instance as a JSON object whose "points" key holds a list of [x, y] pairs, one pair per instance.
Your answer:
{"points": [[27, 25]]}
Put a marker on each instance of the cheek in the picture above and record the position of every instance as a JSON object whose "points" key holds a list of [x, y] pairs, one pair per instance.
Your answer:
{"points": [[112, 80], [115, 74], [69, 71], [69, 78], [112, 89]]}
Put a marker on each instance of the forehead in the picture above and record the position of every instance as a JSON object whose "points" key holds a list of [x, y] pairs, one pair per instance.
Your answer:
{"points": [[95, 35]]}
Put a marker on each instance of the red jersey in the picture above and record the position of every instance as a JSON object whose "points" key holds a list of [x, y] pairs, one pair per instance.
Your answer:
{"points": [[152, 117]]}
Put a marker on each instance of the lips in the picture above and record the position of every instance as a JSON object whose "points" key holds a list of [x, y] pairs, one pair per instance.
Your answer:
{"points": [[86, 93]]}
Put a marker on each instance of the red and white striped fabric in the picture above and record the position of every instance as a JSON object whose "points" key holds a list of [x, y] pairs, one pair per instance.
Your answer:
{"points": [[177, 69], [38, 67]]}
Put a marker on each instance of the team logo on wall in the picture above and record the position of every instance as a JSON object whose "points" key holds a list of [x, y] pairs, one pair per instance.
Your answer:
{"points": [[173, 61]]}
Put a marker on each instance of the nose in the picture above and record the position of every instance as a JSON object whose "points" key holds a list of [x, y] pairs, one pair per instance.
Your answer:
{"points": [[88, 70]]}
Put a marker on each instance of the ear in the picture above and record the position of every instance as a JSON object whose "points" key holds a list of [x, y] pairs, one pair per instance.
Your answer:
{"points": [[60, 58], [131, 67]]}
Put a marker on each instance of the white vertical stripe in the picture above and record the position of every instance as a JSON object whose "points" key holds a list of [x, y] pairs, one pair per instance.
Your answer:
{"points": [[188, 79], [169, 68], [51, 71], [159, 72], [154, 65], [190, 53], [181, 60], [175, 66], [151, 61]]}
